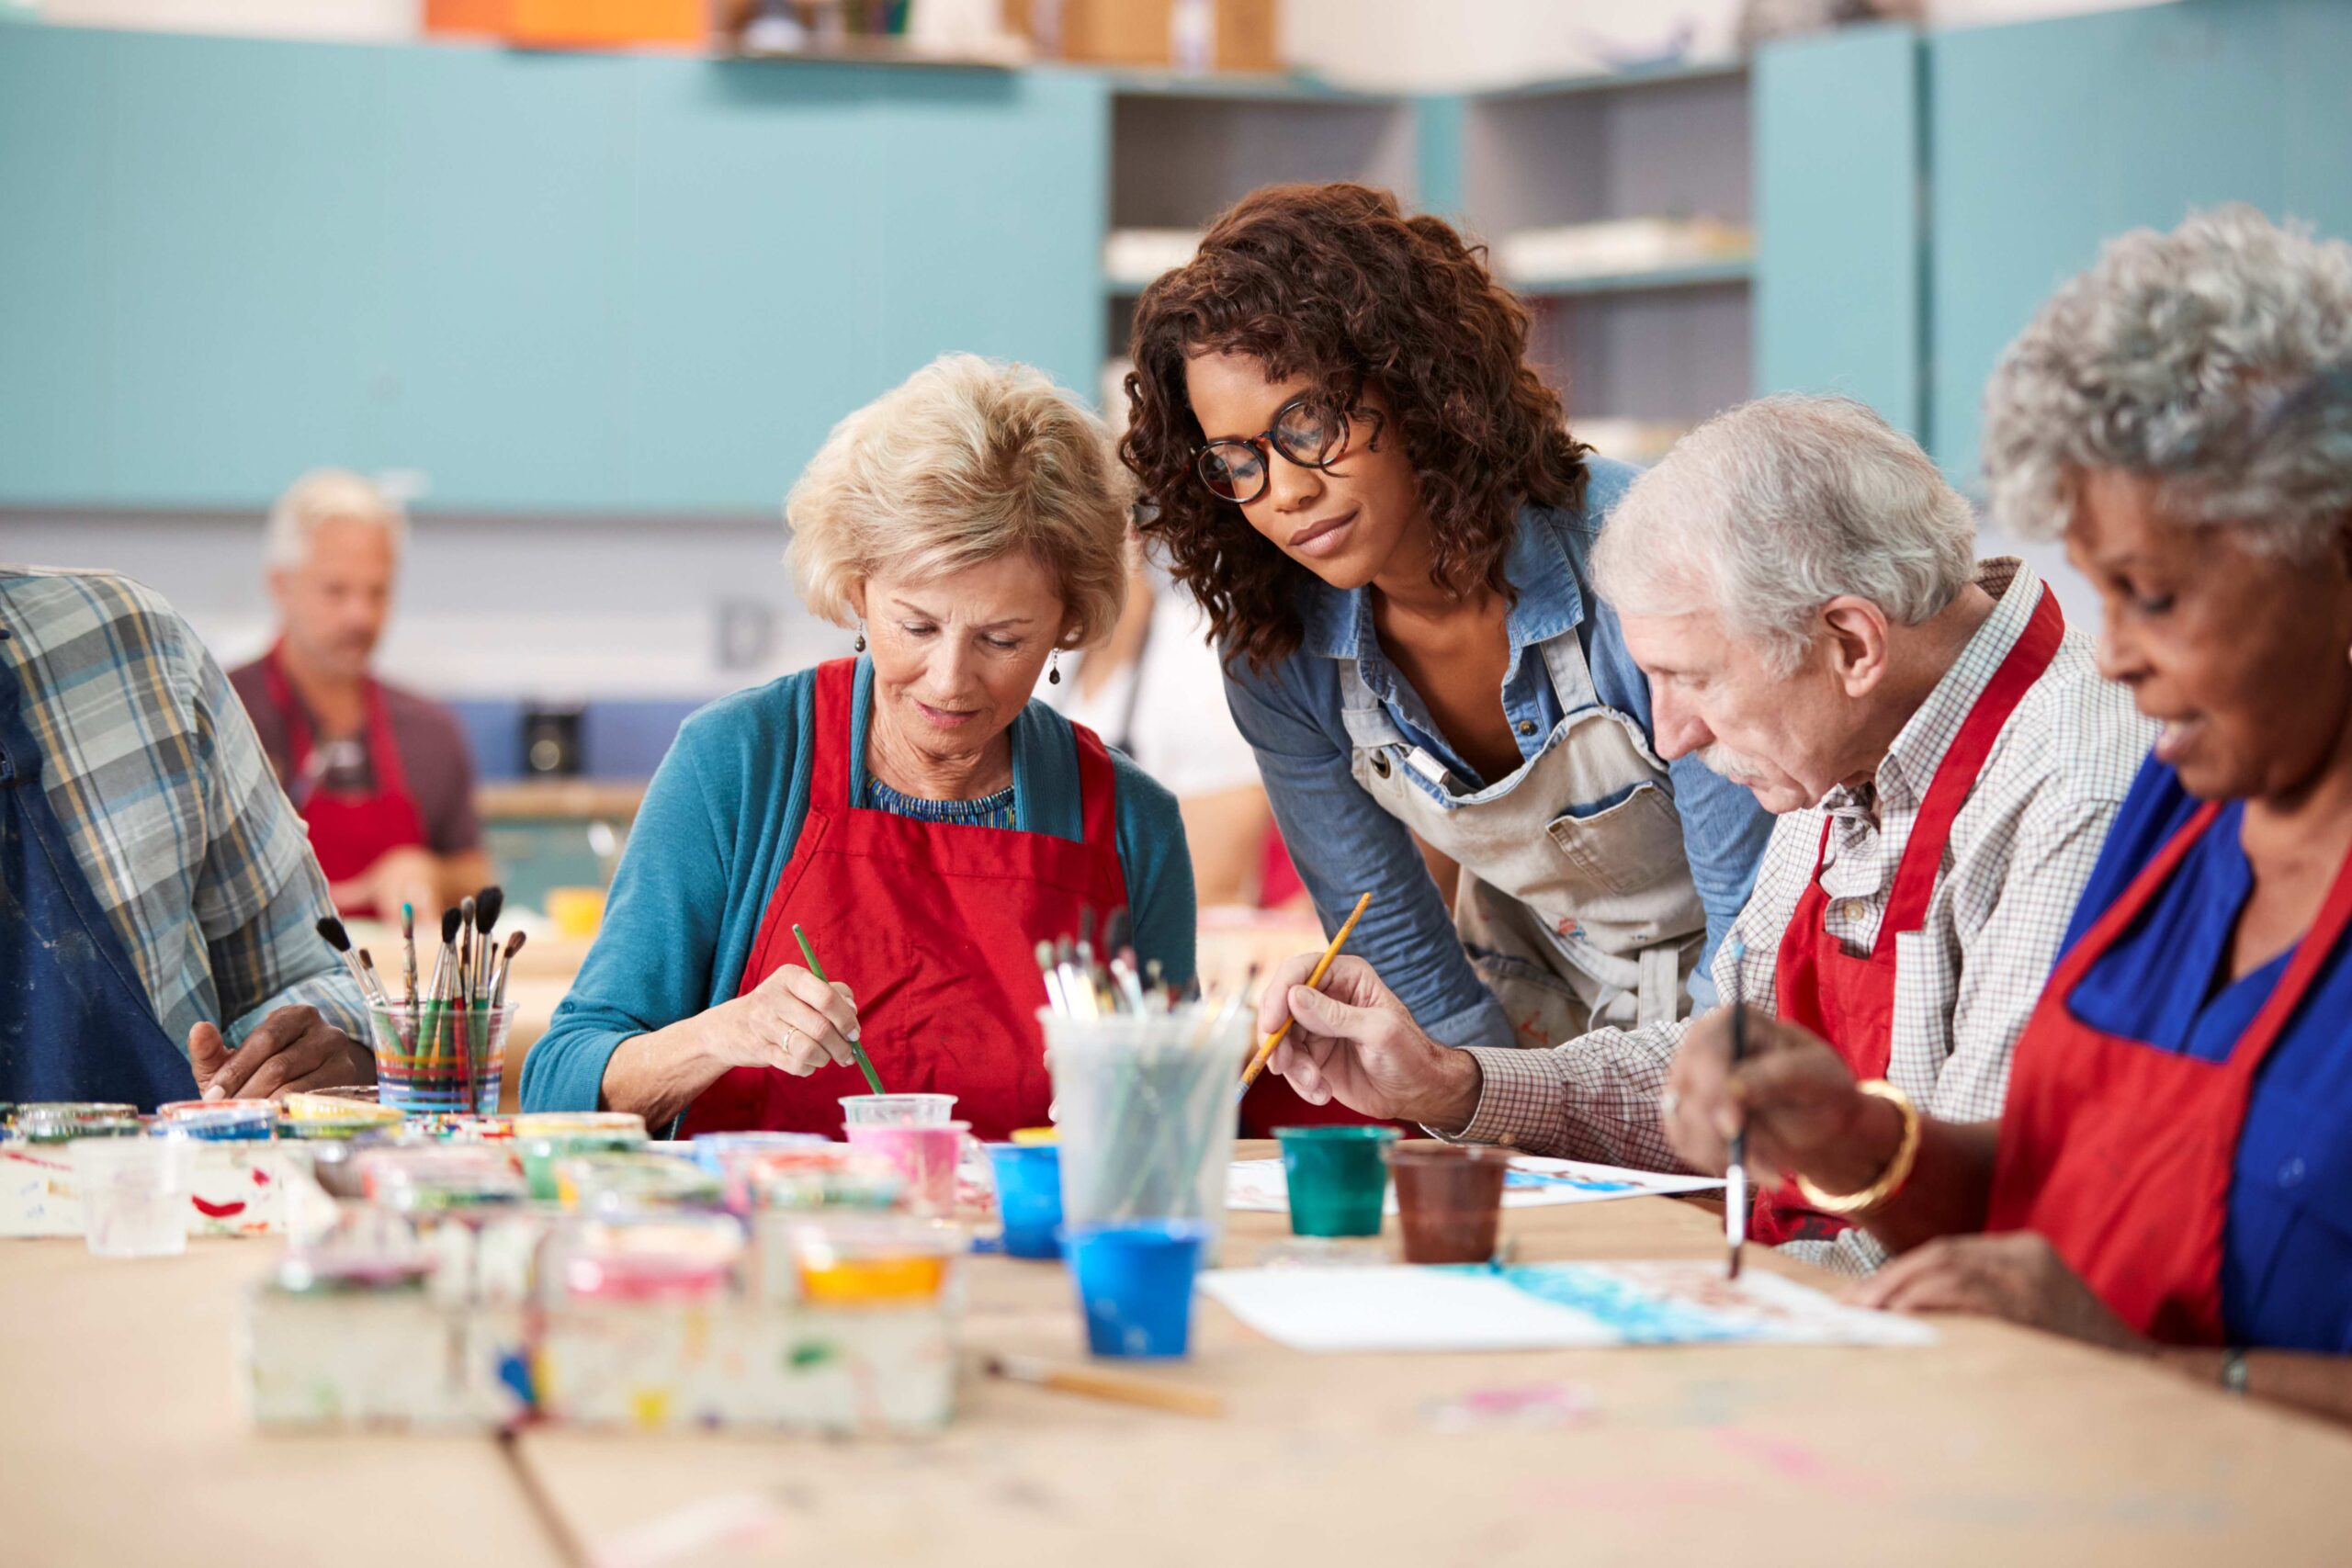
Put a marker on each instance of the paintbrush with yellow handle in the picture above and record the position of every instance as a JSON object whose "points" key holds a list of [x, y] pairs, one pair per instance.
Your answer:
{"points": [[1117, 1387], [1323, 966]]}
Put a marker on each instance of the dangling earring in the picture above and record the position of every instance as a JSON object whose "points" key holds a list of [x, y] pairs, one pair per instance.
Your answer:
{"points": [[861, 637], [1053, 668]]}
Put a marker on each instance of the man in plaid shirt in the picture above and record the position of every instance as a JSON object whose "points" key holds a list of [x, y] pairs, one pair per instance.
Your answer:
{"points": [[1798, 583], [159, 938]]}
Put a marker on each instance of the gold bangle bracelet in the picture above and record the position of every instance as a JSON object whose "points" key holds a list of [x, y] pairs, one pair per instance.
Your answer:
{"points": [[1898, 1169]]}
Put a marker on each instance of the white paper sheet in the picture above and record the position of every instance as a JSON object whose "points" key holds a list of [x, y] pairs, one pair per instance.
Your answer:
{"points": [[1544, 1306], [1257, 1186]]}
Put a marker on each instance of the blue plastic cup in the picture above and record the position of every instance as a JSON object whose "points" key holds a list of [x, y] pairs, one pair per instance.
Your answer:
{"points": [[1029, 1197], [1135, 1282]]}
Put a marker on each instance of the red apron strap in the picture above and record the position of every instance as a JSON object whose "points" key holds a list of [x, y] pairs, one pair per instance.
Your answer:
{"points": [[383, 748], [1923, 851], [832, 750], [281, 698], [2076, 961]]}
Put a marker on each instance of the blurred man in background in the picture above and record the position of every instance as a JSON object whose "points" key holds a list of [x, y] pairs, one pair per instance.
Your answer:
{"points": [[381, 775]]}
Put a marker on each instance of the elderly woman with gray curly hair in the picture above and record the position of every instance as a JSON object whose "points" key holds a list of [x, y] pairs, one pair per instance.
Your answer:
{"points": [[2172, 1172], [912, 809]]}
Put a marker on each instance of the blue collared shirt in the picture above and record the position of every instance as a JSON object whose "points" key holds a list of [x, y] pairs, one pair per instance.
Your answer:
{"points": [[1344, 843]]}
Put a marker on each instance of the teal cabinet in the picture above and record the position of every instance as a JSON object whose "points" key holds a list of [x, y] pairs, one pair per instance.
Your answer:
{"points": [[2049, 138], [551, 283], [1840, 305]]}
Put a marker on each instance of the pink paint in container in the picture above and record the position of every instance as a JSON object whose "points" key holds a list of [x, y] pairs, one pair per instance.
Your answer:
{"points": [[925, 1156]]}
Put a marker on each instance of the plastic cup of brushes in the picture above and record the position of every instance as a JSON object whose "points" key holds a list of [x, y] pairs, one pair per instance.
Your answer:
{"points": [[549, 1136], [218, 1121], [134, 1194], [58, 1122], [896, 1110], [1028, 1197], [609, 1183], [853, 1261], [1146, 1111], [1449, 1198], [1337, 1178], [925, 1156], [440, 1056], [1135, 1284]]}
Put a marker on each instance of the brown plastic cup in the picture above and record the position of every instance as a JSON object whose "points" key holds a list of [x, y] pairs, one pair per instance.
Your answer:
{"points": [[1449, 1198]]}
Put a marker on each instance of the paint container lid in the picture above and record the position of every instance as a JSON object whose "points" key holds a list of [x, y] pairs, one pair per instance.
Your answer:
{"points": [[598, 1183], [58, 1121], [648, 1257], [555, 1124], [437, 1178], [217, 1120], [835, 1177], [333, 1106]]}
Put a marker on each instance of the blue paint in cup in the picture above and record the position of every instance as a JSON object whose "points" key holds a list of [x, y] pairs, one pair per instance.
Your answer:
{"points": [[1135, 1282], [1029, 1197]]}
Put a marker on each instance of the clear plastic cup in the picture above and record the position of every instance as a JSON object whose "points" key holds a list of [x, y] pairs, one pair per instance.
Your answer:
{"points": [[925, 1156], [134, 1194], [1146, 1106], [896, 1110]]}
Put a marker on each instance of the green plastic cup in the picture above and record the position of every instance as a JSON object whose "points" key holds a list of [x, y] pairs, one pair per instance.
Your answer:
{"points": [[1337, 1178]]}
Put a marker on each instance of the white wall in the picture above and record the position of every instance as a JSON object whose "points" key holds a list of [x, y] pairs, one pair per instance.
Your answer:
{"points": [[552, 608], [358, 20]]}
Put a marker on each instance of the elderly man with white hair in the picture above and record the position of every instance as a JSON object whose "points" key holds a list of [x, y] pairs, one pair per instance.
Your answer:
{"points": [[1798, 583], [382, 777]]}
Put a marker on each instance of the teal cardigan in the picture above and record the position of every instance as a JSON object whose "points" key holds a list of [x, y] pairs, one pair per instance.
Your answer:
{"points": [[716, 828]]}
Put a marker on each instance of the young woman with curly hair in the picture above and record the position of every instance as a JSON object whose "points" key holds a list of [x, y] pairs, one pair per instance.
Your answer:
{"points": [[1379, 505]]}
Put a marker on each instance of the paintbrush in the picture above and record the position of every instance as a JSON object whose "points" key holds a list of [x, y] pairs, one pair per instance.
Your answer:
{"points": [[1322, 966], [464, 949], [487, 903], [1054, 998], [498, 990], [408, 951], [339, 938], [873, 1079], [1735, 1176], [1117, 1387]]}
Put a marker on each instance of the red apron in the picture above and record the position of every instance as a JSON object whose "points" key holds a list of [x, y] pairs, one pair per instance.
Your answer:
{"points": [[934, 927], [349, 832], [2122, 1154], [1850, 1001]]}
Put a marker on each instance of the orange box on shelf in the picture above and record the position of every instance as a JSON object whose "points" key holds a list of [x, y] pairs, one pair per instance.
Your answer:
{"points": [[574, 23]]}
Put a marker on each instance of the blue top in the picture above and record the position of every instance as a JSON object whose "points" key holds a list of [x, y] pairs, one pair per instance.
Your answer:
{"points": [[716, 828], [1345, 844], [2287, 1240]]}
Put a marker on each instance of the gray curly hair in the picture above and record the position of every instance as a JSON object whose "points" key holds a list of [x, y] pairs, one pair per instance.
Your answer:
{"points": [[2216, 359]]}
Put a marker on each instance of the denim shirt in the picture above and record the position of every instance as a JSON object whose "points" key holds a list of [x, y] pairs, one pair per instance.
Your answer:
{"points": [[1345, 844]]}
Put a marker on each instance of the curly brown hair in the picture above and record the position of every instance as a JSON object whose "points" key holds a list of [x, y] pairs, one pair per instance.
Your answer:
{"points": [[1333, 281]]}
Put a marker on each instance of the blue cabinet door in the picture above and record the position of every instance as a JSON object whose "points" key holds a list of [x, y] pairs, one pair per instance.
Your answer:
{"points": [[2049, 137], [1839, 304]]}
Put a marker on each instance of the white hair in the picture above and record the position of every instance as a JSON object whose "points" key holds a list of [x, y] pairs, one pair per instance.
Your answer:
{"points": [[1769, 511], [2174, 359], [322, 495]]}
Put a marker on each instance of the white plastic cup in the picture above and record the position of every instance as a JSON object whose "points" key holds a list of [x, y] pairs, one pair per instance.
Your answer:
{"points": [[134, 1194]]}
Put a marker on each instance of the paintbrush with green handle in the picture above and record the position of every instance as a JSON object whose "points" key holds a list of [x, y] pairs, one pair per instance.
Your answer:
{"points": [[863, 1065]]}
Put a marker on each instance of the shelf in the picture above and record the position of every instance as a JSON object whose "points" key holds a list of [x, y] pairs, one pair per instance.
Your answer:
{"points": [[1250, 86], [1667, 74], [1727, 272]]}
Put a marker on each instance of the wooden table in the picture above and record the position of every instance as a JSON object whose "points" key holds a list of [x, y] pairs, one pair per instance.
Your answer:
{"points": [[1997, 1446]]}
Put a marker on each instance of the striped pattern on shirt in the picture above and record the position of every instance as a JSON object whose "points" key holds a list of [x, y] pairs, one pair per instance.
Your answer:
{"points": [[2018, 857], [173, 815]]}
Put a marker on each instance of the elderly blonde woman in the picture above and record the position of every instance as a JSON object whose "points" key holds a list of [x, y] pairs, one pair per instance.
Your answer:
{"points": [[912, 809], [2171, 1174]]}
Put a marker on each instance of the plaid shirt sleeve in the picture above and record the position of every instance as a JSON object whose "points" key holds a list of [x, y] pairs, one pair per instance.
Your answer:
{"points": [[175, 817], [259, 892]]}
